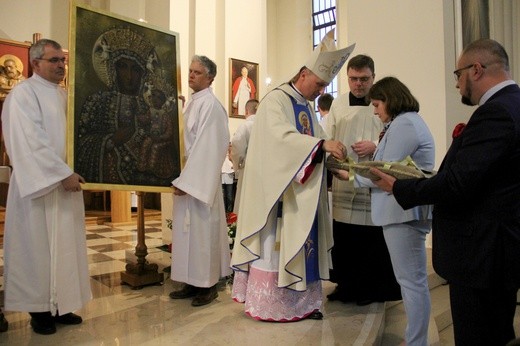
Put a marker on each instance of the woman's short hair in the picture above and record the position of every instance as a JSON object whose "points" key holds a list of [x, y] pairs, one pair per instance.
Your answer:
{"points": [[397, 96]]}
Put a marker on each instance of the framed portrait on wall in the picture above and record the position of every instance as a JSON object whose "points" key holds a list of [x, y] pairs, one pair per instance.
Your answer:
{"points": [[123, 104], [14, 68], [14, 65], [243, 81]]}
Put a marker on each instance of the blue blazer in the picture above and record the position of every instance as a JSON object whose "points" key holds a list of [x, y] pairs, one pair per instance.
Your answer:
{"points": [[476, 197], [407, 135]]}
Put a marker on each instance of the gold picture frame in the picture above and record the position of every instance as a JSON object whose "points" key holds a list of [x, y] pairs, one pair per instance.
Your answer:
{"points": [[123, 109], [243, 85], [17, 54]]}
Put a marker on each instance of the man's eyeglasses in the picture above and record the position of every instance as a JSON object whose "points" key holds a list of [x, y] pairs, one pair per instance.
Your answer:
{"points": [[54, 60], [458, 72], [360, 79]]}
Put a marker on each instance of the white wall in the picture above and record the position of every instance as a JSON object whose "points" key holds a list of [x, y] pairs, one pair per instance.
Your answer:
{"points": [[393, 34], [289, 38], [221, 30], [20, 19]]}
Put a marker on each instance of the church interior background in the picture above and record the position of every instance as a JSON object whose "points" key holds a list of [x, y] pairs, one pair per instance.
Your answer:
{"points": [[123, 315]]}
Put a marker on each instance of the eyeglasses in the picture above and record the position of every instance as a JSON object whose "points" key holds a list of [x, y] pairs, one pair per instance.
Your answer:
{"points": [[360, 79], [458, 72], [54, 60]]}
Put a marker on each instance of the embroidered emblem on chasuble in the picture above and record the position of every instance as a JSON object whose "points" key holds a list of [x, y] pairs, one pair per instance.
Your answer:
{"points": [[303, 118]]}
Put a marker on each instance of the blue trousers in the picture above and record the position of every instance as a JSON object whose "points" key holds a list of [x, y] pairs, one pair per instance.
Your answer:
{"points": [[406, 245]]}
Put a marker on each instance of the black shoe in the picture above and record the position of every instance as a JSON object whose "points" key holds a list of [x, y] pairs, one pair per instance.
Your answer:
{"points": [[43, 323], [187, 291], [69, 318], [315, 315], [340, 295], [4, 325], [364, 302], [335, 294], [205, 296]]}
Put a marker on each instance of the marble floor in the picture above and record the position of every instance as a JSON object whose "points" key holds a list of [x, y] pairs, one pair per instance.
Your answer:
{"points": [[120, 315]]}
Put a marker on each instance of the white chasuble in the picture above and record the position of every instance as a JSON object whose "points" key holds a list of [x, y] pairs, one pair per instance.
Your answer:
{"points": [[276, 153], [200, 248], [45, 249]]}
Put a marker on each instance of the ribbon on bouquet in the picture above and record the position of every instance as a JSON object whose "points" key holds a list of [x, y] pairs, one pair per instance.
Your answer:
{"points": [[405, 169]]}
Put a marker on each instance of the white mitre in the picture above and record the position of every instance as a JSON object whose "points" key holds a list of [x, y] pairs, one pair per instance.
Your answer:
{"points": [[326, 60]]}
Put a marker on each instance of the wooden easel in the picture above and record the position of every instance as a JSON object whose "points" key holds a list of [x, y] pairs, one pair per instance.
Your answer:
{"points": [[142, 273]]}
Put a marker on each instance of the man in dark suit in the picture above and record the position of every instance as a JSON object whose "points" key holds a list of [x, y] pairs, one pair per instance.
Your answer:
{"points": [[476, 198]]}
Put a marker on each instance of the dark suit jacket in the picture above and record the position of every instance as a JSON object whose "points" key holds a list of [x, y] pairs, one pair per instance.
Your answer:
{"points": [[476, 198]]}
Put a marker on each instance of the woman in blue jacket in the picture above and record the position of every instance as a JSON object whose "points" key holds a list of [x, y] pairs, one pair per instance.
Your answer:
{"points": [[405, 134]]}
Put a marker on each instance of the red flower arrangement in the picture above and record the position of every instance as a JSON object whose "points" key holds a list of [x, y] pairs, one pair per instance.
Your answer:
{"points": [[457, 131], [231, 220]]}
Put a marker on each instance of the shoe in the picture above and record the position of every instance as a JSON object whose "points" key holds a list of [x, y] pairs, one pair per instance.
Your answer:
{"points": [[4, 325], [205, 296], [364, 302], [340, 295], [69, 318], [42, 323], [187, 291], [335, 294], [315, 315]]}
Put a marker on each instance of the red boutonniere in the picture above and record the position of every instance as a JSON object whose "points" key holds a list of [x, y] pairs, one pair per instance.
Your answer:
{"points": [[457, 131], [231, 218]]}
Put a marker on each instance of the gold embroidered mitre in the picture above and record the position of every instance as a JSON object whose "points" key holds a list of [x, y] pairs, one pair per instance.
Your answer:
{"points": [[326, 60]]}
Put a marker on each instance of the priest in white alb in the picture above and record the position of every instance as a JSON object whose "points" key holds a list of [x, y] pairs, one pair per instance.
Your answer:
{"points": [[45, 250], [200, 248]]}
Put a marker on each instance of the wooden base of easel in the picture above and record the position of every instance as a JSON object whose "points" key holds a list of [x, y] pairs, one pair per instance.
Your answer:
{"points": [[142, 273], [137, 281]]}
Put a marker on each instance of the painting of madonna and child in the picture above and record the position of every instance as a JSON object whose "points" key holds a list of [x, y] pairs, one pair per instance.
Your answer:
{"points": [[125, 102]]}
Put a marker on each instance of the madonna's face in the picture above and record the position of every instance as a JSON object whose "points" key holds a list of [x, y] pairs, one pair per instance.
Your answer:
{"points": [[305, 122], [128, 76]]}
